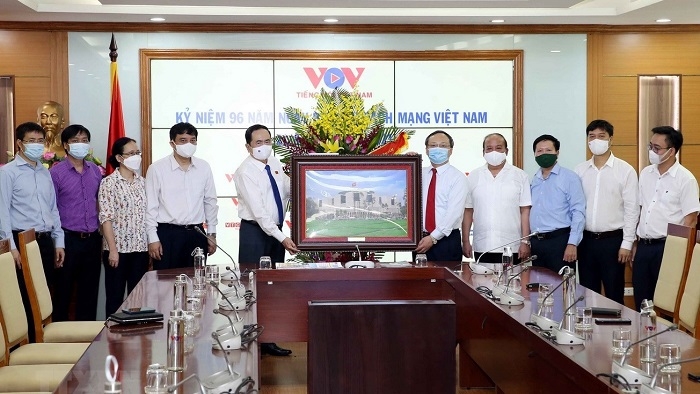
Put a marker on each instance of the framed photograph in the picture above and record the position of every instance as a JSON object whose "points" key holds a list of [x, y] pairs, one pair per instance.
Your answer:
{"points": [[348, 202]]}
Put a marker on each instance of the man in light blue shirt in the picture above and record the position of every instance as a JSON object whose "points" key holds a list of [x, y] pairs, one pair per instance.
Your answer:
{"points": [[28, 199], [558, 208]]}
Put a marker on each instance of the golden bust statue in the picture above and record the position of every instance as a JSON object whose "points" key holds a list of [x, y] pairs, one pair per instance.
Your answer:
{"points": [[50, 117]]}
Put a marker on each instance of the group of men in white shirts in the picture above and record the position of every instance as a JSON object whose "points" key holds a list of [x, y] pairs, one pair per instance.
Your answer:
{"points": [[597, 218]]}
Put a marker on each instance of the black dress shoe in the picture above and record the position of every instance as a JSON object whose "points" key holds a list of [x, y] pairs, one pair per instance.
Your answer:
{"points": [[274, 350]]}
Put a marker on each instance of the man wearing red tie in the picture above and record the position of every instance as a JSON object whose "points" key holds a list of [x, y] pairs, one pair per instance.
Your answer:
{"points": [[263, 191], [444, 196]]}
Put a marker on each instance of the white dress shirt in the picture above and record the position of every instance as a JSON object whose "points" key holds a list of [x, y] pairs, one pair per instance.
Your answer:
{"points": [[180, 197], [665, 199], [450, 196], [256, 201], [612, 199], [496, 202]]}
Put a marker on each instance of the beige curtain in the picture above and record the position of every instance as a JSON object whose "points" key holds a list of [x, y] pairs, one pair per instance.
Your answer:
{"points": [[659, 105]]}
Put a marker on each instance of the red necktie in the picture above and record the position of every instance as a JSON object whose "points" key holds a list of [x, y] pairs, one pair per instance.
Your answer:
{"points": [[430, 205]]}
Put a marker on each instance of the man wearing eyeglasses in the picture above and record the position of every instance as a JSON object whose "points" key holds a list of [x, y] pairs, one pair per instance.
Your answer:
{"points": [[444, 197], [263, 192], [181, 197], [28, 199], [668, 193]]}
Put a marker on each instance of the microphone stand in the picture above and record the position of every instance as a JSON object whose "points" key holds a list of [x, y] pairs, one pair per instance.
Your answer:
{"points": [[236, 328], [632, 374], [213, 241], [478, 269], [650, 388], [567, 337], [500, 289], [541, 321], [172, 388]]}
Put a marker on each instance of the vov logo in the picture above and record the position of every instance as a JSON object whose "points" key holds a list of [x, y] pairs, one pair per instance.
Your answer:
{"points": [[334, 77]]}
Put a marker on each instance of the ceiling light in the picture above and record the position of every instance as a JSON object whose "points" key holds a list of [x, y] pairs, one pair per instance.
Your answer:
{"points": [[555, 51], [498, 20], [330, 20], [663, 20], [157, 19]]}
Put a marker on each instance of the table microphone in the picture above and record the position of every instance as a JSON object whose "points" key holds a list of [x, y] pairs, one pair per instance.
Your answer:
{"points": [[235, 328], [541, 321], [239, 303], [479, 269], [202, 390], [651, 388], [567, 337], [213, 240], [505, 297], [223, 381], [523, 263], [632, 374]]}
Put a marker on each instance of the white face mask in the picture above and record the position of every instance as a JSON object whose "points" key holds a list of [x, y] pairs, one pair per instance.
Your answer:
{"points": [[598, 147], [186, 150], [133, 162], [495, 158], [655, 158], [79, 150], [262, 152]]}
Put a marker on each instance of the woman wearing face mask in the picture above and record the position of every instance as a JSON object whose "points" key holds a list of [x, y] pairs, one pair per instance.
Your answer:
{"points": [[122, 200]]}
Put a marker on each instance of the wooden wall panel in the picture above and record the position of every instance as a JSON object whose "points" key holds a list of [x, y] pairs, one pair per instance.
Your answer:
{"points": [[628, 153], [650, 53], [690, 158], [690, 109], [29, 93], [618, 105], [26, 53]]}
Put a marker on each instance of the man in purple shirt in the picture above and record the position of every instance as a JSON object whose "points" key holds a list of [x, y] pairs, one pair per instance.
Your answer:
{"points": [[76, 182]]}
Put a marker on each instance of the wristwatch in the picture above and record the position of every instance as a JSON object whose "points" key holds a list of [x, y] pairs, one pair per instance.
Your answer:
{"points": [[526, 242], [434, 240]]}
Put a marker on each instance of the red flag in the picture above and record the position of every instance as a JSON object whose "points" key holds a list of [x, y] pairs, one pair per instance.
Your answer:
{"points": [[116, 116]]}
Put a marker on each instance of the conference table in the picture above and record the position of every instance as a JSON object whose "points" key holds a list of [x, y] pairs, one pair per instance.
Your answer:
{"points": [[496, 347]]}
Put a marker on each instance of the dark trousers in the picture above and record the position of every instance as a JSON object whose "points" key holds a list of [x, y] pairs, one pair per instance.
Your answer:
{"points": [[129, 271], [48, 255], [81, 269], [645, 271], [178, 243], [449, 248], [254, 243], [494, 258], [598, 263], [550, 251]]}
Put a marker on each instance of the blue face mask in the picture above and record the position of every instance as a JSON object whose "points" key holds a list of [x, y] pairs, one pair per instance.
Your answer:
{"points": [[438, 155], [79, 150], [33, 151]]}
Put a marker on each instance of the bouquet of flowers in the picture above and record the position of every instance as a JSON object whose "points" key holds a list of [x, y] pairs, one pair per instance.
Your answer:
{"points": [[340, 124]]}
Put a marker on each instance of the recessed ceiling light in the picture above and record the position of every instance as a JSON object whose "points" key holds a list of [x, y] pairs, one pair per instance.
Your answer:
{"points": [[330, 20], [157, 19], [663, 20], [556, 51], [71, 64], [81, 70], [498, 20]]}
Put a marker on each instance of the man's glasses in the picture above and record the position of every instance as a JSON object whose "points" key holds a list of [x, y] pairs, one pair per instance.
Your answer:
{"points": [[34, 141], [657, 148]]}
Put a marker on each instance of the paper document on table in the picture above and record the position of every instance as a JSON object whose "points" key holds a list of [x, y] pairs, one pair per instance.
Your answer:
{"points": [[308, 265]]}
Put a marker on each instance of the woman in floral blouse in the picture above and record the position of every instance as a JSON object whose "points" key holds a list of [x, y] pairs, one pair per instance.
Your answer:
{"points": [[122, 200]]}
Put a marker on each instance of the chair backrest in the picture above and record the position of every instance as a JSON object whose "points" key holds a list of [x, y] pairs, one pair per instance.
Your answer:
{"points": [[14, 319], [688, 311], [35, 281], [4, 351], [674, 269]]}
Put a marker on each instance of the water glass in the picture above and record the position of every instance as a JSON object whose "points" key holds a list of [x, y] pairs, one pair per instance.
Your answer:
{"points": [[156, 379], [670, 353], [212, 273], [265, 263], [584, 318], [421, 260], [194, 305], [670, 381], [544, 289], [199, 286], [621, 338]]}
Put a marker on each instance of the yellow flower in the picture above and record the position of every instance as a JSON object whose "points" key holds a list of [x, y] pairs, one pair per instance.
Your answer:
{"points": [[331, 147], [46, 165]]}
